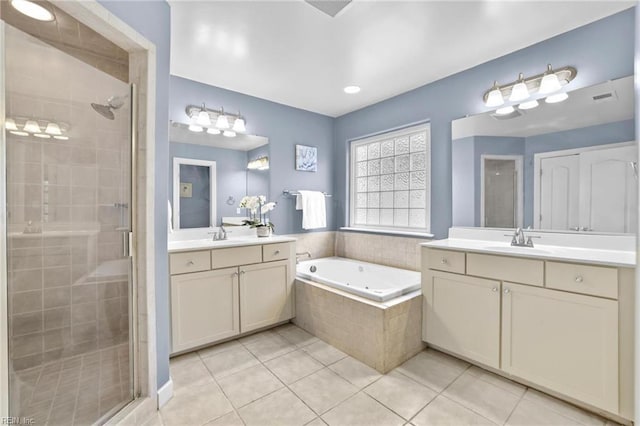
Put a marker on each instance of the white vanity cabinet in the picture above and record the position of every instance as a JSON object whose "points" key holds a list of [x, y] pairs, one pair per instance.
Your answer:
{"points": [[561, 326], [224, 292]]}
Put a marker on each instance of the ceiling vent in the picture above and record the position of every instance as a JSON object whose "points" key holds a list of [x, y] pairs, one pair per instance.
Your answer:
{"points": [[605, 97], [330, 7]]}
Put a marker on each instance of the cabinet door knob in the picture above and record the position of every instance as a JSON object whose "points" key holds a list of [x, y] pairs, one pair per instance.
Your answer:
{"points": [[507, 291], [494, 289], [241, 272], [190, 263], [277, 252], [235, 274], [444, 261], [579, 279]]}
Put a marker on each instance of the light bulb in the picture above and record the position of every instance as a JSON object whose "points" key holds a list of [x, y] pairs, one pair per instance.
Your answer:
{"points": [[10, 124], [203, 118], [558, 97], [222, 122], [239, 126], [42, 135], [519, 92], [53, 129], [32, 126], [505, 110], [528, 105], [213, 131], [550, 82], [494, 98], [32, 10], [229, 133], [195, 128]]}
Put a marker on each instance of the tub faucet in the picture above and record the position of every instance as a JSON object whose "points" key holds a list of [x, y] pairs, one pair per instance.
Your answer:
{"points": [[304, 253]]}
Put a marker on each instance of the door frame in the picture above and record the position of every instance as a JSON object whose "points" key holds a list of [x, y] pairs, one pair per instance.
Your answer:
{"points": [[142, 72], [537, 160], [519, 185]]}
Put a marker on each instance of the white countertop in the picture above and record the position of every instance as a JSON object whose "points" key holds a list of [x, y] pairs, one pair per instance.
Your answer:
{"points": [[202, 244], [618, 258]]}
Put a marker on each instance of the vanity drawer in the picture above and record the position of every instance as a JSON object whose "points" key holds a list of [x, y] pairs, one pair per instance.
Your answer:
{"points": [[594, 280], [271, 252], [235, 256], [446, 260], [192, 261], [506, 268]]}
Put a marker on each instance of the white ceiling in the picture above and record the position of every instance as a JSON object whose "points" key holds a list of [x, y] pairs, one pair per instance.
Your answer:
{"points": [[291, 53]]}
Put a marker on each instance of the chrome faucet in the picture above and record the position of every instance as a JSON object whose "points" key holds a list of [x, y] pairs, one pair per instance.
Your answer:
{"points": [[518, 238], [220, 235]]}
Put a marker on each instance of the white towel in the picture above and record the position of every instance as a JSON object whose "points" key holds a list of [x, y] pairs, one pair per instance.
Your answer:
{"points": [[314, 211]]}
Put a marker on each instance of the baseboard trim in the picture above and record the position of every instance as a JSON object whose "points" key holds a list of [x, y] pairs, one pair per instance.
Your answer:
{"points": [[165, 393]]}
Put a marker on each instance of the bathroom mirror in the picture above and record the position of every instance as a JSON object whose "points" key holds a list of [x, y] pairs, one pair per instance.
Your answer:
{"points": [[233, 178], [568, 166]]}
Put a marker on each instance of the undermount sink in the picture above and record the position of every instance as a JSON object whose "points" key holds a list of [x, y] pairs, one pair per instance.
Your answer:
{"points": [[517, 249]]}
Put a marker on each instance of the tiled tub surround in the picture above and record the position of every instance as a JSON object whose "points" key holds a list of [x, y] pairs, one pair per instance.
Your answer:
{"points": [[388, 250], [286, 376], [381, 335]]}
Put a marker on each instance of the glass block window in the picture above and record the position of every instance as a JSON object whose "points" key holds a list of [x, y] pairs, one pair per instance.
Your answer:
{"points": [[390, 180]]}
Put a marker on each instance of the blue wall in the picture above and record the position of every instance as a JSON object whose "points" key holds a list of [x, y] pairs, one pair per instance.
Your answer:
{"points": [[231, 174], [601, 51], [285, 127], [152, 19]]}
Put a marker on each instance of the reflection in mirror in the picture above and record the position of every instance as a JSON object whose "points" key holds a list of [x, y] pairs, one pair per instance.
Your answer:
{"points": [[570, 166], [233, 178], [194, 193]]}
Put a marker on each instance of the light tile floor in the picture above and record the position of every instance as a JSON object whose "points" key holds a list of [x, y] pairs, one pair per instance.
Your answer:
{"points": [[286, 376]]}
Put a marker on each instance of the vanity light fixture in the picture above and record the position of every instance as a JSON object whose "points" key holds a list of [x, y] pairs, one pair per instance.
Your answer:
{"points": [[61, 138], [505, 110], [21, 126], [53, 129], [10, 124], [550, 81], [33, 10], [42, 135], [31, 126], [261, 163], [519, 92], [215, 122], [528, 105], [558, 97]]}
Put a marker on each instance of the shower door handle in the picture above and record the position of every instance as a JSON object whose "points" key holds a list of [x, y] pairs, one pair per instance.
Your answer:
{"points": [[127, 244]]}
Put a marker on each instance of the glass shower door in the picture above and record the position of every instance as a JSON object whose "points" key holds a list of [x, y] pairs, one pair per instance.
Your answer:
{"points": [[68, 160]]}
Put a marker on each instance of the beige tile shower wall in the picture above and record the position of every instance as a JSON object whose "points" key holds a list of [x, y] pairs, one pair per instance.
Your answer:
{"points": [[319, 244], [400, 252]]}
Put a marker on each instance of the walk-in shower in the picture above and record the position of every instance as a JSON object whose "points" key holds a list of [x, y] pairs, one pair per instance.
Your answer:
{"points": [[69, 276]]}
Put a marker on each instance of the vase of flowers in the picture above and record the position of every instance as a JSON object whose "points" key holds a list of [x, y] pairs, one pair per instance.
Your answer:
{"points": [[258, 208]]}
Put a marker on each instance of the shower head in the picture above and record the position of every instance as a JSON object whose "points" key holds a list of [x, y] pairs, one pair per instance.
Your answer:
{"points": [[113, 103]]}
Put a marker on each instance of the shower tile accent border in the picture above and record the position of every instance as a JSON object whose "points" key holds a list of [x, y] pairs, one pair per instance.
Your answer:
{"points": [[382, 337]]}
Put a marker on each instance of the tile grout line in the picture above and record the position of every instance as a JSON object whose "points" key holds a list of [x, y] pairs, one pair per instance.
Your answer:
{"points": [[516, 406]]}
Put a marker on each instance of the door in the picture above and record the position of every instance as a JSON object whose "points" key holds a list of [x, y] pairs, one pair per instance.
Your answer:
{"points": [[463, 316], [501, 191], [68, 182], [559, 192], [204, 308], [608, 190], [265, 294], [563, 341]]}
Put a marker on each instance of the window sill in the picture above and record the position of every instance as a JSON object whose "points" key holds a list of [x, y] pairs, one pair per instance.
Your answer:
{"points": [[388, 232]]}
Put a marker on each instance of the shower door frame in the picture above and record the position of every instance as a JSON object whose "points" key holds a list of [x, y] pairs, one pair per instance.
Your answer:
{"points": [[142, 74], [519, 163]]}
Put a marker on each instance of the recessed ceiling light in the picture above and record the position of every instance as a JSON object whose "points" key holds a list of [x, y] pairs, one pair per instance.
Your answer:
{"points": [[351, 89], [32, 10]]}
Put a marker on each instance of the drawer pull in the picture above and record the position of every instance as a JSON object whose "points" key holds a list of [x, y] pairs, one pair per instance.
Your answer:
{"points": [[507, 291], [494, 289], [190, 263], [444, 261], [579, 279], [277, 252]]}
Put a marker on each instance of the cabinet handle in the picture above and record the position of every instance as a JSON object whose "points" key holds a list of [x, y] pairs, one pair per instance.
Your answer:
{"points": [[241, 272], [444, 261], [507, 291], [579, 279], [190, 263], [494, 289], [277, 252], [235, 274]]}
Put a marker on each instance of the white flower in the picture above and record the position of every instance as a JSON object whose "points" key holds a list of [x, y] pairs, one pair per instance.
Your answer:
{"points": [[262, 199], [267, 207]]}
